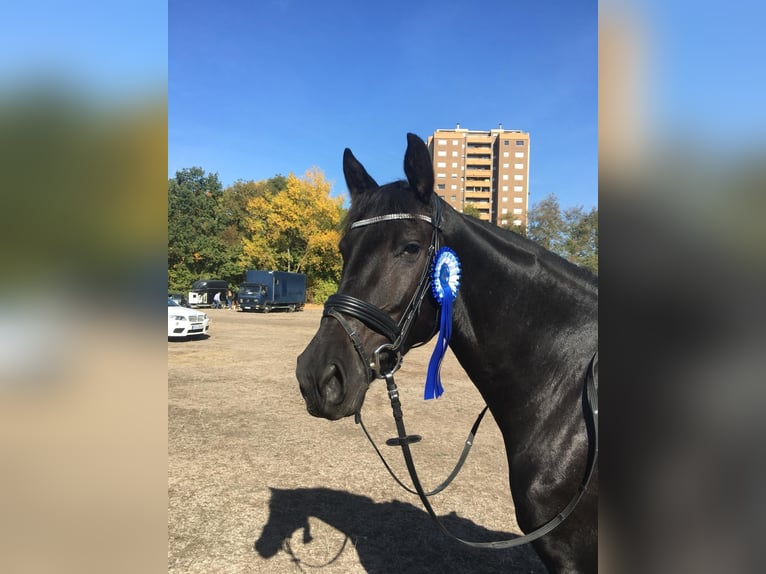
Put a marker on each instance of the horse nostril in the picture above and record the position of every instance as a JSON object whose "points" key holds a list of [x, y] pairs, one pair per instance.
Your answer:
{"points": [[331, 384]]}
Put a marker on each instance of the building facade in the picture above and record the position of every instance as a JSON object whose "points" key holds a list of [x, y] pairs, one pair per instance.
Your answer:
{"points": [[488, 170]]}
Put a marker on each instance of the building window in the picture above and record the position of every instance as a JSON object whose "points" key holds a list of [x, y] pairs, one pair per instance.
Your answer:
{"points": [[506, 142], [454, 176], [442, 142], [439, 186], [454, 154], [504, 222], [505, 165], [440, 175], [518, 188], [453, 198], [518, 165], [519, 142], [454, 165], [518, 177], [505, 188], [505, 199], [519, 154], [441, 153], [506, 154], [505, 177], [517, 221], [517, 211], [441, 164], [454, 186], [454, 142], [517, 200]]}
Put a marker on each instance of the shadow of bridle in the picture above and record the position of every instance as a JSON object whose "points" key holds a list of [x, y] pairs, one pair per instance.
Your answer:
{"points": [[387, 536]]}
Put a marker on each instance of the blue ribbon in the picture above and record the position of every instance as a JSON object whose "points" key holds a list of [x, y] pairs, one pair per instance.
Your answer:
{"points": [[445, 281]]}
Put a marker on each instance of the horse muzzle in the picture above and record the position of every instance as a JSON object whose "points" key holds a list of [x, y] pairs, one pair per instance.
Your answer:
{"points": [[329, 382]]}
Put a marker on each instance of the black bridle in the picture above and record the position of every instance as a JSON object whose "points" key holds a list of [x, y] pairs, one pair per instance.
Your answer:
{"points": [[387, 358], [339, 304]]}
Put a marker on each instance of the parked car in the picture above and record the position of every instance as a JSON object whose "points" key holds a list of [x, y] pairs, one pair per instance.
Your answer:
{"points": [[179, 298], [184, 322]]}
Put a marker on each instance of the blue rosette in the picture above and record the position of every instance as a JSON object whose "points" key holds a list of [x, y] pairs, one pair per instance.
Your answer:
{"points": [[445, 282]]}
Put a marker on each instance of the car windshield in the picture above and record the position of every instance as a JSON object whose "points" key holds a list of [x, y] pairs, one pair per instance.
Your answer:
{"points": [[172, 303]]}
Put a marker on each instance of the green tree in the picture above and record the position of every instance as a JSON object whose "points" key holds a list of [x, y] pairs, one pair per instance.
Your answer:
{"points": [[581, 243], [195, 246], [471, 210], [546, 224], [520, 229], [573, 233]]}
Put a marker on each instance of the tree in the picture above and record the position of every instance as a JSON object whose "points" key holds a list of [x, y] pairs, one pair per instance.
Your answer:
{"points": [[234, 215], [296, 229], [520, 229], [236, 197], [581, 244], [195, 247], [546, 225], [572, 234], [471, 210]]}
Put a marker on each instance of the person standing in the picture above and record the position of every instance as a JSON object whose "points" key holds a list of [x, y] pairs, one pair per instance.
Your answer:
{"points": [[228, 299], [217, 300]]}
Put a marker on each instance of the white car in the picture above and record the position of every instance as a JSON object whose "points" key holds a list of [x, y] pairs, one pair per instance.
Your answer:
{"points": [[184, 322]]}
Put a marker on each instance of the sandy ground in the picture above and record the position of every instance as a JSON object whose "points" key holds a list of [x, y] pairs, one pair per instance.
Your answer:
{"points": [[256, 484]]}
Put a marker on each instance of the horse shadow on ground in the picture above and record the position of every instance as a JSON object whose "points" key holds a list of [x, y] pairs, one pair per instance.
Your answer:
{"points": [[388, 536]]}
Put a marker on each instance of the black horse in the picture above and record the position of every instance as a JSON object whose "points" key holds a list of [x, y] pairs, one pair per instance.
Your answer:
{"points": [[525, 330]]}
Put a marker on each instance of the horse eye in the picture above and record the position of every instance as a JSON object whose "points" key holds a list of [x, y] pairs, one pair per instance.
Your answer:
{"points": [[412, 248]]}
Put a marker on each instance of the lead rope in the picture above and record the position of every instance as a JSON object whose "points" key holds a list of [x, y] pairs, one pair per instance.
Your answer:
{"points": [[590, 403]]}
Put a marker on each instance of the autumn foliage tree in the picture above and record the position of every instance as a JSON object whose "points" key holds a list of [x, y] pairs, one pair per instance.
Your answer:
{"points": [[235, 216], [296, 229]]}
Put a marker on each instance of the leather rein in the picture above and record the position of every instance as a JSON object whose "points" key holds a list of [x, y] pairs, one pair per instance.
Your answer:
{"points": [[387, 359]]}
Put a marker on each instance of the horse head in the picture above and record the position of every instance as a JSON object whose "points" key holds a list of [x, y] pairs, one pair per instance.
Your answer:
{"points": [[386, 257]]}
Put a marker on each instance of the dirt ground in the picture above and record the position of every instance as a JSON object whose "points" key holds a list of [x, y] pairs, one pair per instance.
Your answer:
{"points": [[256, 484]]}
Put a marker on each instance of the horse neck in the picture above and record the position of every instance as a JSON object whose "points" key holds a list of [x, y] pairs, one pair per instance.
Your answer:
{"points": [[519, 307]]}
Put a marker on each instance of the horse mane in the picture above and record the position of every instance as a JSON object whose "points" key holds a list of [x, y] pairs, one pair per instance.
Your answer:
{"points": [[509, 241]]}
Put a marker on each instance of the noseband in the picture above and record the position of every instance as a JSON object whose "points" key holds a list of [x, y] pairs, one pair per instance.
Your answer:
{"points": [[387, 358]]}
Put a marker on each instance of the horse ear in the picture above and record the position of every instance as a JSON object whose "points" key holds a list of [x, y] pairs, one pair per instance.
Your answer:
{"points": [[357, 179], [418, 168]]}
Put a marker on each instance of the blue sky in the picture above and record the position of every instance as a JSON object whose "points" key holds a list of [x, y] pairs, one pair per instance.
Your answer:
{"points": [[278, 86]]}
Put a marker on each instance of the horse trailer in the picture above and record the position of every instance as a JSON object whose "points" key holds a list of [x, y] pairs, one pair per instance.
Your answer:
{"points": [[203, 291]]}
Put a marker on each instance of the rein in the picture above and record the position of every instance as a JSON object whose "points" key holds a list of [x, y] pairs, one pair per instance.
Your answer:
{"points": [[338, 305], [590, 406]]}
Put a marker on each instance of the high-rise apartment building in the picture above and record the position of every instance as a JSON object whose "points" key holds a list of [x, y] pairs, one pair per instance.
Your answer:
{"points": [[486, 169]]}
